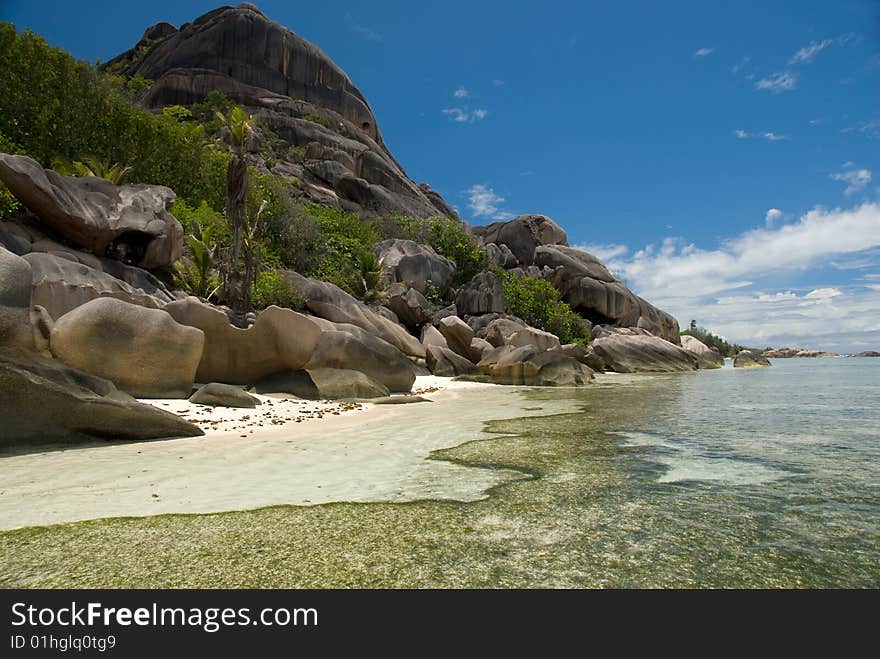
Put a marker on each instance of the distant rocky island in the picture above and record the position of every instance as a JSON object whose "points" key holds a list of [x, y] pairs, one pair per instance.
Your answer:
{"points": [[786, 353], [236, 222]]}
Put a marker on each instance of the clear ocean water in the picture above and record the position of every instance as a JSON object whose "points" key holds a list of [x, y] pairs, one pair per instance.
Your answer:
{"points": [[729, 478]]}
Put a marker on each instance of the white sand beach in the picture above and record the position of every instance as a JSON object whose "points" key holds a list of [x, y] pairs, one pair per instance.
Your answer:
{"points": [[282, 452]]}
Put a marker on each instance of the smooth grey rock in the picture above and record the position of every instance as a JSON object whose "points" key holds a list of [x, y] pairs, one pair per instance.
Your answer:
{"points": [[576, 262], [634, 353], [530, 336], [432, 337], [527, 365], [217, 394], [478, 348], [458, 335], [44, 401], [749, 359], [408, 305], [445, 363], [445, 312], [322, 384], [416, 265], [501, 256], [499, 331], [332, 303], [361, 351], [523, 234], [706, 356], [142, 351], [128, 222], [398, 400], [279, 340], [481, 295], [282, 79], [61, 285], [15, 301]]}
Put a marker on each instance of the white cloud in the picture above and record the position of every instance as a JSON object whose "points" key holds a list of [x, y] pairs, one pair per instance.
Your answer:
{"points": [[461, 92], [739, 66], [769, 135], [806, 54], [497, 83], [783, 81], [816, 122], [464, 115], [456, 114], [703, 52], [855, 180], [690, 282], [870, 128], [772, 216], [823, 294], [484, 202]]}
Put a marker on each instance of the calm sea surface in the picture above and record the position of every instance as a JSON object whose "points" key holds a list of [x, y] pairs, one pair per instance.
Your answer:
{"points": [[740, 478]]}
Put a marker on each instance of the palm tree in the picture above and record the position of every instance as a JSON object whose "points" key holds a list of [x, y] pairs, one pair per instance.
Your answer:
{"points": [[195, 273], [238, 133], [93, 166]]}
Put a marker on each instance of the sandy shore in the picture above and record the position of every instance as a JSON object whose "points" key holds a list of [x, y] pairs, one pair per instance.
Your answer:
{"points": [[282, 452]]}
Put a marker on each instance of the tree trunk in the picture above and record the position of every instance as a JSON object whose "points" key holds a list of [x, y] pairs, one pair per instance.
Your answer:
{"points": [[236, 198]]}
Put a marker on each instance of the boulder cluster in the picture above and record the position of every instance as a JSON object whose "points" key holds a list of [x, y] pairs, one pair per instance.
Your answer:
{"points": [[89, 320]]}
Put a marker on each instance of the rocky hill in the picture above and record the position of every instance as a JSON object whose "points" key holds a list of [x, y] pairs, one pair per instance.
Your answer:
{"points": [[325, 133], [92, 311]]}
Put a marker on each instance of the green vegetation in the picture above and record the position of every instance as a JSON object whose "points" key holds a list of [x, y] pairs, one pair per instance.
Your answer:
{"points": [[91, 166], [243, 228], [726, 349], [317, 119], [447, 236], [270, 287], [54, 107], [537, 302], [238, 132]]}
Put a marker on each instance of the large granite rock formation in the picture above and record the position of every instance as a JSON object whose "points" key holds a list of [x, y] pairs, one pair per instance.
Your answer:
{"points": [[529, 365], [127, 222], [415, 265], [787, 353], [706, 357], [63, 278], [349, 347], [15, 301], [481, 295], [295, 89], [408, 305], [642, 353], [279, 340], [142, 351], [217, 394], [750, 359], [540, 247], [447, 364], [522, 235], [330, 302], [44, 401], [323, 384]]}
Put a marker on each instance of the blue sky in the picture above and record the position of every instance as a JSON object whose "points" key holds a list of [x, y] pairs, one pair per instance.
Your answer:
{"points": [[723, 157]]}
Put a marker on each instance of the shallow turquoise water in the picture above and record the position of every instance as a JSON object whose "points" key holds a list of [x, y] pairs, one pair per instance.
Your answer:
{"points": [[758, 477]]}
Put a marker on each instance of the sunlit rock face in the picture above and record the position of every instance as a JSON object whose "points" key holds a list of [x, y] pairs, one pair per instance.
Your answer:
{"points": [[293, 88]]}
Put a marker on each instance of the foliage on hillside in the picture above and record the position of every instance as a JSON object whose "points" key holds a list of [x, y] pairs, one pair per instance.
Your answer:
{"points": [[67, 114], [54, 107], [726, 349], [537, 302], [447, 236]]}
